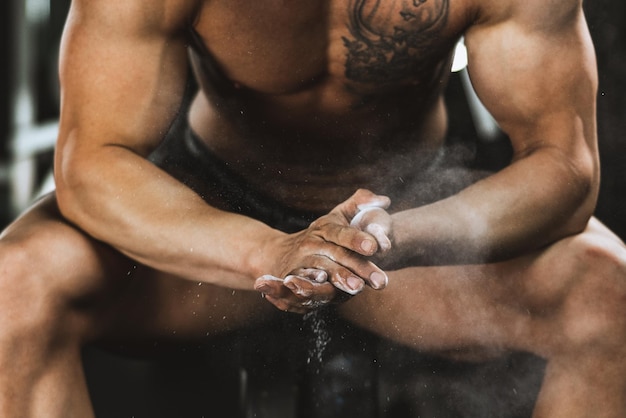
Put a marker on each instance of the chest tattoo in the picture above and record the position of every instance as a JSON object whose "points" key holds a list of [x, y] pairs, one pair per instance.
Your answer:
{"points": [[391, 40]]}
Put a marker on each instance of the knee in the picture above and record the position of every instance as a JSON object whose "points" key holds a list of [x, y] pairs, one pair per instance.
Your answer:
{"points": [[29, 302], [22, 290], [593, 313]]}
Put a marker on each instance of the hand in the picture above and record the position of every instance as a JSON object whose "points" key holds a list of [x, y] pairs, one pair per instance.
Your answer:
{"points": [[331, 253], [376, 221], [301, 293]]}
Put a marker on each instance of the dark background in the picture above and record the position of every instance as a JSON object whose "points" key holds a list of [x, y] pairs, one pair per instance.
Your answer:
{"points": [[275, 379]]}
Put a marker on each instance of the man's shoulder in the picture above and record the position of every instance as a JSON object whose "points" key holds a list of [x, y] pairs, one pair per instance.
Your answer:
{"points": [[538, 13], [161, 15]]}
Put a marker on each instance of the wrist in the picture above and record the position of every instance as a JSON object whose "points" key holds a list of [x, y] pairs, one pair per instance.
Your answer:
{"points": [[262, 255], [406, 248]]}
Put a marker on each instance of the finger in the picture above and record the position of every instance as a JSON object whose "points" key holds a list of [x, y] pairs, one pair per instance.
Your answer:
{"points": [[316, 295], [316, 275], [377, 222], [311, 294], [340, 276], [283, 298], [360, 267], [378, 232], [344, 235], [334, 227], [361, 198], [295, 294], [351, 274], [269, 286]]}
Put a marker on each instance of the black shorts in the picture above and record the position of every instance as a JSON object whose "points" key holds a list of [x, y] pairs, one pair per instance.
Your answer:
{"points": [[183, 155]]}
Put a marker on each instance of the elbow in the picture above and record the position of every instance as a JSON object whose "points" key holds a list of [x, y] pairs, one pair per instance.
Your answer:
{"points": [[568, 192], [68, 204], [582, 212], [73, 189], [583, 186], [68, 200]]}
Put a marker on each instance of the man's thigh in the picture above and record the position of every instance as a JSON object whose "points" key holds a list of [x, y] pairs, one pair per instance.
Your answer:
{"points": [[438, 309], [519, 304], [155, 306], [110, 297]]}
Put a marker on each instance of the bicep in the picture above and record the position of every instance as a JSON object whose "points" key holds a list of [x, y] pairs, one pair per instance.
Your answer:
{"points": [[539, 82], [122, 77]]}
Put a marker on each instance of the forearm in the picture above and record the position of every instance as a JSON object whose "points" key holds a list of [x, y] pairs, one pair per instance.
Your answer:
{"points": [[535, 201], [122, 199]]}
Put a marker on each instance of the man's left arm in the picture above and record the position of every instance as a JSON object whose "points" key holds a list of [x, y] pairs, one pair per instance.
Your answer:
{"points": [[532, 64]]}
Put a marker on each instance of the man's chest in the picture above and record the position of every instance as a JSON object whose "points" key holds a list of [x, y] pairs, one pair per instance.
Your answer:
{"points": [[284, 45]]}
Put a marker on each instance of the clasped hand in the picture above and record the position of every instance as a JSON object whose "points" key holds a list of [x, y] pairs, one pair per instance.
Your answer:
{"points": [[331, 259]]}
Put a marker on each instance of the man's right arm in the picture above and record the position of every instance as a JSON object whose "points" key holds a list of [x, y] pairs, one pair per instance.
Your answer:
{"points": [[123, 69]]}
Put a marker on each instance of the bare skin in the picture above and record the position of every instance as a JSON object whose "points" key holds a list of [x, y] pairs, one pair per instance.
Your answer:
{"points": [[315, 101]]}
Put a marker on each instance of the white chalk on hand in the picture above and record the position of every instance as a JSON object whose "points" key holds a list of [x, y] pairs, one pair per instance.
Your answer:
{"points": [[376, 230], [363, 209]]}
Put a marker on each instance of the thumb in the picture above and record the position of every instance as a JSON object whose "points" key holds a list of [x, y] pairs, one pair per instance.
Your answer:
{"points": [[360, 200], [376, 222]]}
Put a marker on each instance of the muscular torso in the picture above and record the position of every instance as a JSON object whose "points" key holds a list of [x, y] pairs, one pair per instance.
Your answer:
{"points": [[310, 100]]}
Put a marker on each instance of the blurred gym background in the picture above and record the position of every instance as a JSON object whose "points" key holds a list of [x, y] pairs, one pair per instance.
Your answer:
{"points": [[277, 385]]}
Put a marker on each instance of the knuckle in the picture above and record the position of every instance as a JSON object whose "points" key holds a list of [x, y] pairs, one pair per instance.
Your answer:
{"points": [[310, 245], [347, 235], [322, 221], [316, 224], [363, 193]]}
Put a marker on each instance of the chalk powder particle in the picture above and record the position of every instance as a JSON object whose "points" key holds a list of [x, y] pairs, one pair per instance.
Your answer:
{"points": [[315, 320]]}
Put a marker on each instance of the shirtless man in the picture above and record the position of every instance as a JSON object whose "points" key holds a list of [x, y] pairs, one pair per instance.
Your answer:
{"points": [[302, 104]]}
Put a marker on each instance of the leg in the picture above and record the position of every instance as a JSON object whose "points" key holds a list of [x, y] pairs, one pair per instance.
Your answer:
{"points": [[47, 378], [566, 304], [60, 289]]}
